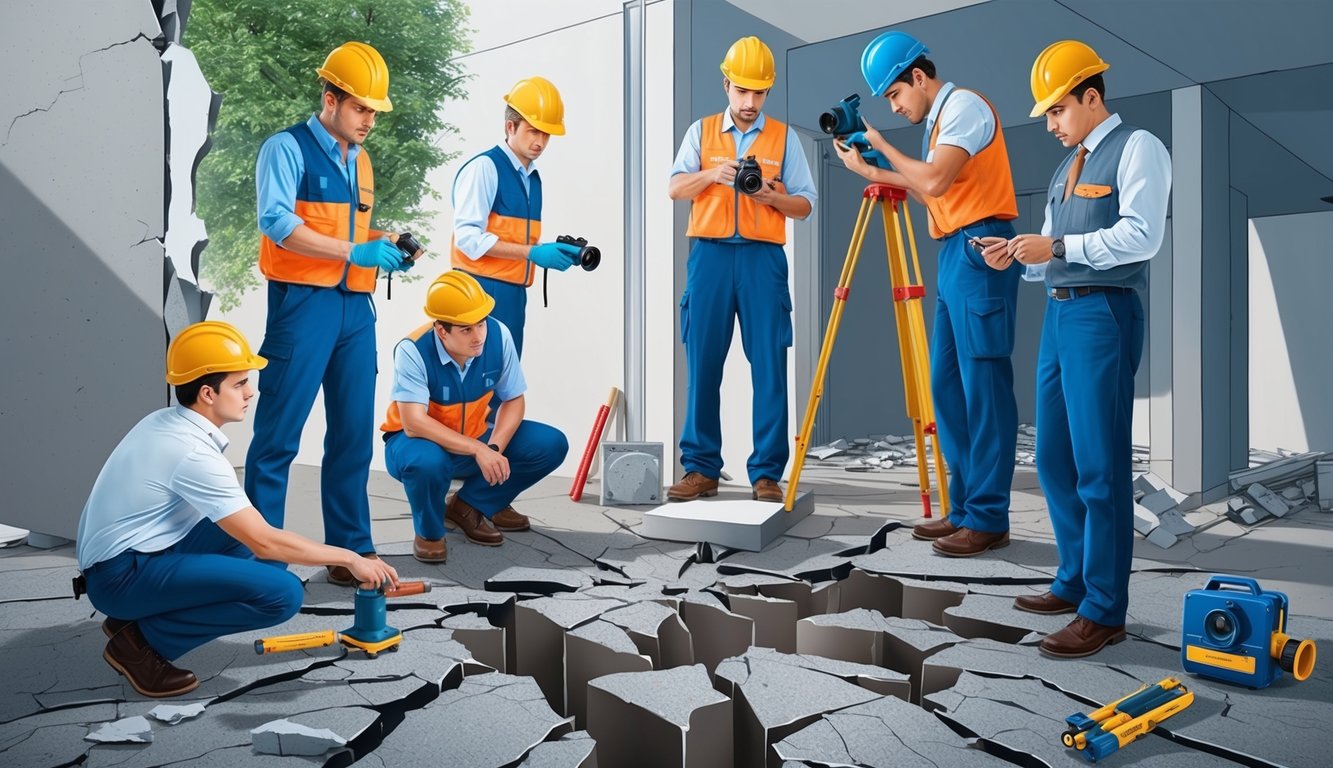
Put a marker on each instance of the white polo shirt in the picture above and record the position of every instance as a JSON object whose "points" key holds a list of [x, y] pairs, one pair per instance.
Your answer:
{"points": [[164, 477]]}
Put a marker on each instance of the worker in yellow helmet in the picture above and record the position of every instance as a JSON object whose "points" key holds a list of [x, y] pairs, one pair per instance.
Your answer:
{"points": [[453, 378], [167, 541], [497, 198], [1105, 218], [316, 195], [737, 268]]}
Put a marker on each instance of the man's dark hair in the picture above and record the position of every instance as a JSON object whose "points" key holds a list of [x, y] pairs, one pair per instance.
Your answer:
{"points": [[448, 327], [187, 394], [926, 66], [339, 95], [1094, 83]]}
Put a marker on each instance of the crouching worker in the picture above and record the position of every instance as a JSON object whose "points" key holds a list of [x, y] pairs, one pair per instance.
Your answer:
{"points": [[448, 375], [168, 540]]}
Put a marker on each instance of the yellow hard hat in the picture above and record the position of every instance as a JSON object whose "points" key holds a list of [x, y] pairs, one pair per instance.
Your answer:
{"points": [[458, 299], [209, 347], [749, 64], [537, 100], [360, 70], [1058, 69]]}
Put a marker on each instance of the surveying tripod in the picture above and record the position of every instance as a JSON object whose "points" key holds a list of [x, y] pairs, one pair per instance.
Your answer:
{"points": [[911, 324]]}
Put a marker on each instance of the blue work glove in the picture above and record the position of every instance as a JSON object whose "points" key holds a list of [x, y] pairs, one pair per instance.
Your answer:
{"points": [[378, 253], [557, 256]]}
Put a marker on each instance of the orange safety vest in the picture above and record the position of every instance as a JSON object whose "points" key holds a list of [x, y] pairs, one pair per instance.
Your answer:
{"points": [[335, 209], [984, 188], [459, 404], [516, 217], [721, 211]]}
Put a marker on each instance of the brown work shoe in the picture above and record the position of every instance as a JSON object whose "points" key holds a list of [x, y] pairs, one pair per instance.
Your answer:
{"points": [[111, 626], [935, 529], [1046, 603], [474, 524], [342, 576], [510, 520], [766, 490], [1083, 637], [147, 672], [429, 550], [693, 486], [966, 542]]}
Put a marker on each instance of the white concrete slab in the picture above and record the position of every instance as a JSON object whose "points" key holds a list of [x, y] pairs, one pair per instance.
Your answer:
{"points": [[735, 523]]}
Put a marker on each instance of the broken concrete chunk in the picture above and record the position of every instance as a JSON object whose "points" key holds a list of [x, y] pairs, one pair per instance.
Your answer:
{"points": [[129, 730], [1144, 520], [674, 715], [1148, 483], [1163, 538], [1271, 502], [1159, 502], [172, 714], [283, 737], [573, 750], [1175, 524]]}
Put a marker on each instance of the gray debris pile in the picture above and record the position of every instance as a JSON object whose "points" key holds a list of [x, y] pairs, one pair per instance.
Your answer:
{"points": [[867, 454]]}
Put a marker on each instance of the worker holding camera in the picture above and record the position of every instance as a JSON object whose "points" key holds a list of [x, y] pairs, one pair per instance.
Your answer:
{"points": [[453, 379], [963, 178], [745, 174], [316, 193], [497, 198]]}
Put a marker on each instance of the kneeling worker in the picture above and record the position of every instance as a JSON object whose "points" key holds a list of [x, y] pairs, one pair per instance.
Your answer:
{"points": [[447, 377], [168, 540]]}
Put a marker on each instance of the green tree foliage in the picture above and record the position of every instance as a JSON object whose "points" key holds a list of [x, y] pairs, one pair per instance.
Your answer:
{"points": [[261, 55]]}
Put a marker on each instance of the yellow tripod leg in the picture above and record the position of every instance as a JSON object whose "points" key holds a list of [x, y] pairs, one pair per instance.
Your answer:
{"points": [[928, 403], [840, 295]]}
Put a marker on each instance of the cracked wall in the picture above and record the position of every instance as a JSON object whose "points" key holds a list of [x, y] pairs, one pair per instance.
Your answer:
{"points": [[104, 115]]}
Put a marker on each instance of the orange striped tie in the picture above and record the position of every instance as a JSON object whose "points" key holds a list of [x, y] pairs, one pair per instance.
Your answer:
{"points": [[1075, 168]]}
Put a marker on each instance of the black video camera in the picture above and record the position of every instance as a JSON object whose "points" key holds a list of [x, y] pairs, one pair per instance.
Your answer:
{"points": [[411, 249], [843, 118], [589, 255], [749, 179]]}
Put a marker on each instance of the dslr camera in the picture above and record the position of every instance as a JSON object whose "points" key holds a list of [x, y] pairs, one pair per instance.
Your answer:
{"points": [[749, 179], [844, 119], [1236, 632], [589, 255], [411, 249]]}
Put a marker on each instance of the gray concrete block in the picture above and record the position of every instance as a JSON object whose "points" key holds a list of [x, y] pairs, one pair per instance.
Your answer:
{"points": [[573, 750], [1158, 502], [1163, 538], [542, 581], [738, 524], [539, 639], [717, 633], [669, 717], [1269, 501], [283, 737], [1144, 519], [594, 650], [657, 631], [1175, 523], [478, 635], [774, 620], [1148, 483], [129, 730]]}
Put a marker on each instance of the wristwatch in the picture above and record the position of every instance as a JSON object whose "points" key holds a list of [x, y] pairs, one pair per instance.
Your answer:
{"points": [[1058, 248], [494, 447]]}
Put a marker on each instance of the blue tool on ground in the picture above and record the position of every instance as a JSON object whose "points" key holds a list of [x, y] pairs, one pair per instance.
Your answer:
{"points": [[370, 631], [1236, 632], [1102, 732]]}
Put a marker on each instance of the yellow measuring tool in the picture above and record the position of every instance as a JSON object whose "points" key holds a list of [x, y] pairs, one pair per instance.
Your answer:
{"points": [[911, 324]]}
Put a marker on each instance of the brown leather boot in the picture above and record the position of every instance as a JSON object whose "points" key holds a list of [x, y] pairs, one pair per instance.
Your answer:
{"points": [[1083, 637], [474, 524], [934, 529], [509, 520], [693, 486], [969, 543], [342, 576], [429, 550], [111, 626], [766, 490], [1046, 603], [147, 672]]}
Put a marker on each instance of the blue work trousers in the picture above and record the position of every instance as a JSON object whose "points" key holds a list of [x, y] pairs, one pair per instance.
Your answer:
{"points": [[511, 307], [1090, 350], [203, 587], [317, 337], [425, 469], [725, 282], [972, 378]]}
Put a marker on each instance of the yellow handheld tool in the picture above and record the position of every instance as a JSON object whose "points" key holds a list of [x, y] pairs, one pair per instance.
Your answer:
{"points": [[1102, 732], [907, 294], [370, 631]]}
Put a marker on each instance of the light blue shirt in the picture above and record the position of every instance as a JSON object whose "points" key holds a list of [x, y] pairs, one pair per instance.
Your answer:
{"points": [[278, 172], [966, 121], [1143, 179], [409, 370], [166, 475], [474, 197], [794, 173]]}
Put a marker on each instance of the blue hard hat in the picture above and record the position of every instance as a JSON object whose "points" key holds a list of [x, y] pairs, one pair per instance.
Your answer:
{"points": [[886, 57]]}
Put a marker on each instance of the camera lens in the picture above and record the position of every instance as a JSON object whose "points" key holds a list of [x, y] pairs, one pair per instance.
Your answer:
{"points": [[750, 182], [590, 258], [828, 122], [1220, 627]]}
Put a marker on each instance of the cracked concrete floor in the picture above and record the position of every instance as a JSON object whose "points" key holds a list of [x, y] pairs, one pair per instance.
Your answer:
{"points": [[845, 643]]}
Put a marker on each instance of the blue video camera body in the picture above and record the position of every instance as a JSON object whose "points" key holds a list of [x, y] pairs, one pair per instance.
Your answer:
{"points": [[1234, 631], [844, 119]]}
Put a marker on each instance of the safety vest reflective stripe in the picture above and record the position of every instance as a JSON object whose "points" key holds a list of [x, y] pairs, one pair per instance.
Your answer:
{"points": [[721, 211], [983, 189], [516, 217], [462, 406]]}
